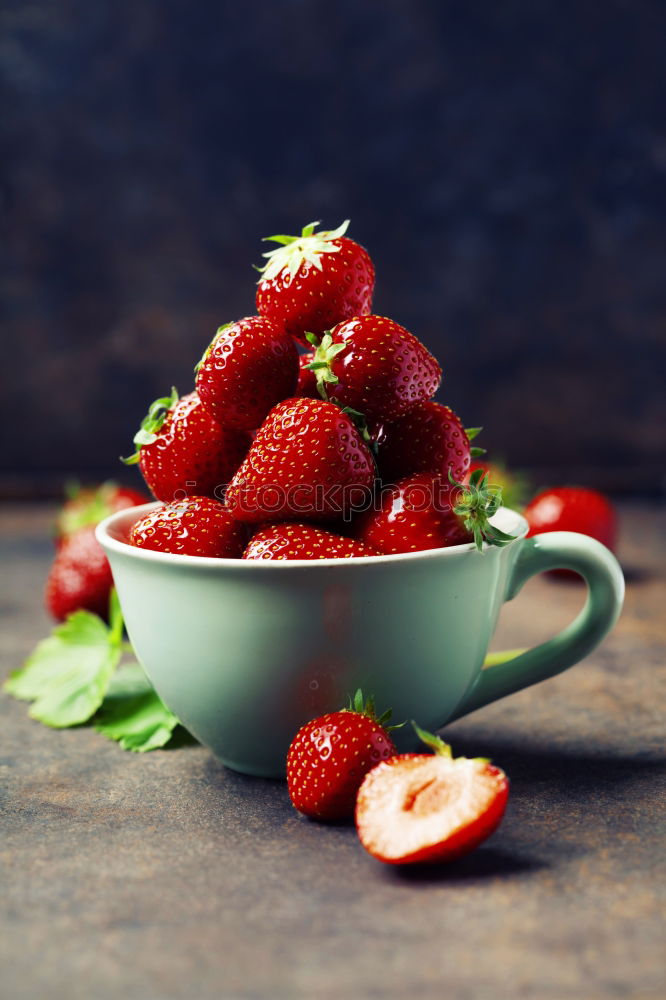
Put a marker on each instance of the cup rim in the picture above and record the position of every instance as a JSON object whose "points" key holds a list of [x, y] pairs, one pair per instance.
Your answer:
{"points": [[131, 514]]}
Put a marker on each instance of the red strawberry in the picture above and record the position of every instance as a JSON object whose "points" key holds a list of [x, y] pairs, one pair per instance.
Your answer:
{"points": [[315, 280], [182, 451], [329, 757], [572, 508], [91, 504], [415, 514], [429, 807], [430, 438], [307, 380], [375, 366], [80, 576], [303, 541], [425, 512], [307, 461], [198, 526], [249, 367]]}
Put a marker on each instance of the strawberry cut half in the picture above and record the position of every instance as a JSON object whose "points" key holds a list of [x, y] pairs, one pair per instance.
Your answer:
{"points": [[429, 807]]}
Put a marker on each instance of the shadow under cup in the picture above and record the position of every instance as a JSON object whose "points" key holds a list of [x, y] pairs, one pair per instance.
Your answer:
{"points": [[245, 652]]}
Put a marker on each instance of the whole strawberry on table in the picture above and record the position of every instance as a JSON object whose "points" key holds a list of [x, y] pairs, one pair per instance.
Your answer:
{"points": [[80, 575]]}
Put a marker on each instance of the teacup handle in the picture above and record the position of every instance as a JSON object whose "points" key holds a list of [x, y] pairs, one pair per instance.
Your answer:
{"points": [[605, 591]]}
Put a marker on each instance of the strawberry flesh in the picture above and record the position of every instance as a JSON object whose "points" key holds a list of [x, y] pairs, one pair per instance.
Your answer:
{"points": [[424, 807]]}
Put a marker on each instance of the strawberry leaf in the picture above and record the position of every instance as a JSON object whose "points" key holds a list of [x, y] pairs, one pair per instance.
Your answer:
{"points": [[67, 675], [133, 714], [151, 423], [294, 251]]}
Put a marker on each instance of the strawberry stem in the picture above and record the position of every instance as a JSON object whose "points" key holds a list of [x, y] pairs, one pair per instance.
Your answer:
{"points": [[436, 743], [366, 706]]}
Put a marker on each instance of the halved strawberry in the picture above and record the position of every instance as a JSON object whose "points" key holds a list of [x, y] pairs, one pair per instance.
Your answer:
{"points": [[329, 757], [315, 280], [429, 807], [249, 367], [374, 365], [183, 451], [303, 541], [198, 526], [307, 462]]}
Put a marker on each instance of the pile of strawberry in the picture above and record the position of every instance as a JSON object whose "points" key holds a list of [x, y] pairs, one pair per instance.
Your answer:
{"points": [[312, 432]]}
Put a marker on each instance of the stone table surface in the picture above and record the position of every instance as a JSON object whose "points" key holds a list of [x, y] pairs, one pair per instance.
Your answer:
{"points": [[164, 875]]}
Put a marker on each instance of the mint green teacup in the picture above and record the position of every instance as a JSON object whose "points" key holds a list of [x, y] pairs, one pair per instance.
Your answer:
{"points": [[246, 652]]}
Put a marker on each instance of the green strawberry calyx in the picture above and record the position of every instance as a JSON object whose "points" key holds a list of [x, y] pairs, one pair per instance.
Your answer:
{"points": [[476, 503], [88, 506], [294, 251], [439, 746], [360, 705], [151, 423], [220, 329], [471, 433], [325, 353]]}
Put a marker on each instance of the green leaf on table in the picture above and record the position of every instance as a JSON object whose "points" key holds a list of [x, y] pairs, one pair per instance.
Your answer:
{"points": [[67, 675], [133, 713]]}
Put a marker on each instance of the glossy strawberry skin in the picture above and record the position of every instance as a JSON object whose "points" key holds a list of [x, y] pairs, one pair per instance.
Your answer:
{"points": [[197, 526], [307, 383], [328, 759], [415, 514], [459, 841], [315, 300], [384, 370], [303, 541], [193, 455], [249, 367], [80, 576], [307, 462], [429, 438], [572, 508], [92, 504]]}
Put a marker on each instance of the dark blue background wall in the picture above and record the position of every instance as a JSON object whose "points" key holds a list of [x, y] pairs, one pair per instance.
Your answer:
{"points": [[505, 164]]}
